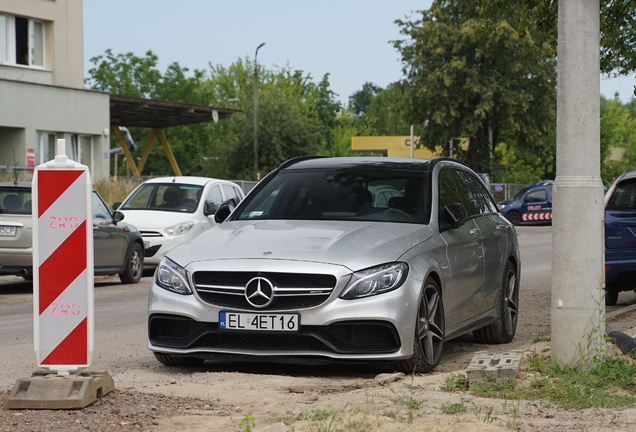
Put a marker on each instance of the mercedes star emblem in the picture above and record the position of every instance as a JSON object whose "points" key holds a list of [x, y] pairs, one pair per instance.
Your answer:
{"points": [[259, 292]]}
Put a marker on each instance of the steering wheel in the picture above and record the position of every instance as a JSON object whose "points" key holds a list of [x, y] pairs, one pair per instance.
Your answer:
{"points": [[399, 215]]}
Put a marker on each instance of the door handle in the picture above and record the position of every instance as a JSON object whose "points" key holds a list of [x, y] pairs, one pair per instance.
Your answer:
{"points": [[500, 229], [474, 232]]}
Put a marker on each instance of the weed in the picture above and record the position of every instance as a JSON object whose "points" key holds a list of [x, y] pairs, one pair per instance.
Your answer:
{"points": [[323, 420], [536, 362], [247, 423], [512, 415], [542, 338], [455, 408], [457, 382]]}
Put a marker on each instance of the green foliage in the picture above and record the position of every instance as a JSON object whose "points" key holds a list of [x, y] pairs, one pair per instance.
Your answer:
{"points": [[360, 100], [618, 26], [618, 132], [247, 423], [455, 408], [296, 116], [609, 384], [474, 78], [456, 382]]}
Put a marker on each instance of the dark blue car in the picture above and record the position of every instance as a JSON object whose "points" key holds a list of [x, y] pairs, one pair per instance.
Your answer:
{"points": [[531, 204], [620, 237]]}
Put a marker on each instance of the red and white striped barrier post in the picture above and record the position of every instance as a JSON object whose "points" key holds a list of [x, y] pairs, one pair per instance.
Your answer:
{"points": [[62, 264]]}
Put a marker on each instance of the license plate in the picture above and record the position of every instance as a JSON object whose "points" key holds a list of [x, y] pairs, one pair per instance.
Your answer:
{"points": [[258, 321], [8, 231], [146, 245]]}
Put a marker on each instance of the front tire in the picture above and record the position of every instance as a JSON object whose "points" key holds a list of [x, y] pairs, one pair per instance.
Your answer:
{"points": [[611, 297], [505, 326], [134, 266], [514, 218], [430, 327], [169, 360]]}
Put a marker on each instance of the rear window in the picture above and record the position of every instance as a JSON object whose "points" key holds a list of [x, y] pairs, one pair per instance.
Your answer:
{"points": [[15, 201], [624, 196]]}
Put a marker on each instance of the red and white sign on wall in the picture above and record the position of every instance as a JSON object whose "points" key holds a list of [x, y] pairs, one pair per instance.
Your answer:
{"points": [[62, 264], [30, 157]]}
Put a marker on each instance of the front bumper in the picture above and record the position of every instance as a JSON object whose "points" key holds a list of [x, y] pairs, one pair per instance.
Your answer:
{"points": [[376, 328], [621, 269]]}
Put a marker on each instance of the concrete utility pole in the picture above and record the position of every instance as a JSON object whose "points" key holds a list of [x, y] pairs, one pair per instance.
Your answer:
{"points": [[578, 306]]}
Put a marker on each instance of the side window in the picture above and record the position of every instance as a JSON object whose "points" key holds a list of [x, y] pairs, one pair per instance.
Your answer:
{"points": [[100, 211], [239, 194], [468, 197], [230, 192], [478, 193], [448, 193], [536, 196], [624, 197], [214, 196]]}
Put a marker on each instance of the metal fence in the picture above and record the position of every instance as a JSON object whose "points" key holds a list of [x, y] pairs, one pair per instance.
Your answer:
{"points": [[505, 191]]}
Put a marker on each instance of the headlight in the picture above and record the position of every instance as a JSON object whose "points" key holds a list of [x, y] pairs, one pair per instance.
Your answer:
{"points": [[178, 229], [500, 206], [375, 280], [172, 277]]}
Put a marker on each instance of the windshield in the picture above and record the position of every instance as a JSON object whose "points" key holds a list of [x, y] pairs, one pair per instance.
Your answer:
{"points": [[341, 194], [183, 198], [519, 194]]}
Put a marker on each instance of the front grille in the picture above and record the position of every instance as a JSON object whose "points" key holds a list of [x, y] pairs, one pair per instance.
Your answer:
{"points": [[150, 234], [292, 291], [349, 337]]}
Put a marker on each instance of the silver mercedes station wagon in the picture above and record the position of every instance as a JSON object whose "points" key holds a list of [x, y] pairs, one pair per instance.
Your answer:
{"points": [[340, 259]]}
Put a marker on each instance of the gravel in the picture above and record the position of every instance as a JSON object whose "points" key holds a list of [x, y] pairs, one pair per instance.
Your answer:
{"points": [[119, 410]]}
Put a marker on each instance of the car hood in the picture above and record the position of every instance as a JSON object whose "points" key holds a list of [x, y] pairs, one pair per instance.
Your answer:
{"points": [[355, 245], [146, 220]]}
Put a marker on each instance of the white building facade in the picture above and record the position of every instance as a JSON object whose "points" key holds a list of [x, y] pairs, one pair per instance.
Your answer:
{"points": [[42, 95]]}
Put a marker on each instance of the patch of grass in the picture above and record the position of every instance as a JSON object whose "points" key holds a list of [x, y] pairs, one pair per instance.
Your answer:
{"points": [[457, 382], [542, 338], [407, 406], [247, 423], [323, 420], [113, 191], [609, 384], [455, 408]]}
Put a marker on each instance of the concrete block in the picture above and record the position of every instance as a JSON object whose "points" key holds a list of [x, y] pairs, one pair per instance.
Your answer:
{"points": [[487, 366], [46, 390]]}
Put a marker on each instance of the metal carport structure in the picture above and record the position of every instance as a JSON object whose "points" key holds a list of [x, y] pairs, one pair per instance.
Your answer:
{"points": [[157, 115]]}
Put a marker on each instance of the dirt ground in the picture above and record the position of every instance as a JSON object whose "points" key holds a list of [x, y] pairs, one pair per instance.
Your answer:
{"points": [[275, 398]]}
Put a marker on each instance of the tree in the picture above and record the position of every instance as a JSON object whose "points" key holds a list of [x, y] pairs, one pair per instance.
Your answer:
{"points": [[297, 116], [618, 27], [474, 78], [360, 100], [618, 134]]}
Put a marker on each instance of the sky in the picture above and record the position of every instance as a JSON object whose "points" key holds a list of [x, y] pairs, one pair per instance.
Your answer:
{"points": [[348, 39]]}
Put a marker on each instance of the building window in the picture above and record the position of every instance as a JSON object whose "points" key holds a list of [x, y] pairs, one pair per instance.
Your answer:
{"points": [[21, 41]]}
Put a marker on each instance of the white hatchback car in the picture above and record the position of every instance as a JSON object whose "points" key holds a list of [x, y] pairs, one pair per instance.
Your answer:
{"points": [[171, 210]]}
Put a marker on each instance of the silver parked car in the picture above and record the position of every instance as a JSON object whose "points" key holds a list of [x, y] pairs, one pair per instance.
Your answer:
{"points": [[117, 245], [312, 264]]}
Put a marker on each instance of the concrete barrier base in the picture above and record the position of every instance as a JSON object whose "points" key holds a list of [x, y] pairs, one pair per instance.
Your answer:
{"points": [[45, 389]]}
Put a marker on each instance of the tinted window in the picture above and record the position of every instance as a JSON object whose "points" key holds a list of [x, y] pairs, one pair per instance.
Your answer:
{"points": [[624, 197], [537, 196], [448, 193], [372, 194], [469, 198], [100, 211], [478, 193], [15, 200]]}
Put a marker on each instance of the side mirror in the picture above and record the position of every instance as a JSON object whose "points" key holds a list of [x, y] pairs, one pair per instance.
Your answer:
{"points": [[224, 210], [455, 215], [210, 208], [116, 205], [118, 216]]}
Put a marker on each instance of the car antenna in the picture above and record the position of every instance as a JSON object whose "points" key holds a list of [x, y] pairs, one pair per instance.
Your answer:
{"points": [[15, 173]]}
